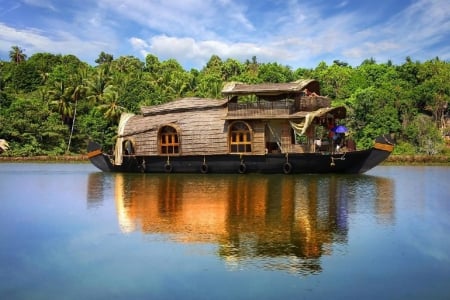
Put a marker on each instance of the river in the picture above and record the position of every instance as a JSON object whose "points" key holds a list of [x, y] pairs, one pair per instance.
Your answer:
{"points": [[68, 231]]}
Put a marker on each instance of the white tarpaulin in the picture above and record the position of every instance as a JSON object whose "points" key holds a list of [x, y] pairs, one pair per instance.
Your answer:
{"points": [[118, 151], [300, 128]]}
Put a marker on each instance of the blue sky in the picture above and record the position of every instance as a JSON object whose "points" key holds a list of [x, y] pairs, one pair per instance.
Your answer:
{"points": [[298, 33]]}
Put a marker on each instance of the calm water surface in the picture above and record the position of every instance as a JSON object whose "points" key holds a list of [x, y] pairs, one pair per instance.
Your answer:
{"points": [[68, 231]]}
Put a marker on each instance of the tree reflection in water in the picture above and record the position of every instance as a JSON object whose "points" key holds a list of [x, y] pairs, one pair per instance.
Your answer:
{"points": [[277, 222]]}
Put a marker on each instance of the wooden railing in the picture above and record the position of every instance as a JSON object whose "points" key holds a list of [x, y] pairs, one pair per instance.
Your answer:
{"points": [[276, 108], [260, 109]]}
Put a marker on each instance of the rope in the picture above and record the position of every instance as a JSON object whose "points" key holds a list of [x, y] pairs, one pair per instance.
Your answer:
{"points": [[277, 139]]}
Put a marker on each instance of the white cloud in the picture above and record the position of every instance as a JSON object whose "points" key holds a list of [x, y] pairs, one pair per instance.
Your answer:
{"points": [[59, 42], [187, 50], [299, 34], [301, 40], [41, 3], [6, 10], [283, 38], [12, 36], [138, 43], [420, 26], [176, 18]]}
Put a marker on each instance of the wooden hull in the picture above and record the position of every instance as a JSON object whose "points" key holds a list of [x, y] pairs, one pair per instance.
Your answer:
{"points": [[349, 162]]}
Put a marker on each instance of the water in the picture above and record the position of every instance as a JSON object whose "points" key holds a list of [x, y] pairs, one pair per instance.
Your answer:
{"points": [[70, 232]]}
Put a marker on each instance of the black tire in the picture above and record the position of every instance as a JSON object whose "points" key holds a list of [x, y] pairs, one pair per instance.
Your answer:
{"points": [[287, 168], [168, 168], [242, 168], [204, 168]]}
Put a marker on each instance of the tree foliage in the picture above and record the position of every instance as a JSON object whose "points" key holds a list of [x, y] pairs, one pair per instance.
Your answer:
{"points": [[52, 104]]}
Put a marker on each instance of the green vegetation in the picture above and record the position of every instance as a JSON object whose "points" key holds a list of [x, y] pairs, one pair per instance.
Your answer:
{"points": [[52, 104]]}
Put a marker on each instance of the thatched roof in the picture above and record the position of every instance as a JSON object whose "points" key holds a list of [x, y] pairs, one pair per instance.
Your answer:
{"points": [[270, 89], [183, 105], [200, 123]]}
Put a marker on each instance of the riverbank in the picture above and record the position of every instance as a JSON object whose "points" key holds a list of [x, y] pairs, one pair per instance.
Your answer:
{"points": [[45, 158], [417, 159]]}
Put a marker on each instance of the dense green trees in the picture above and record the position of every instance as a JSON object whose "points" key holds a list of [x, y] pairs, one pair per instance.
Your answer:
{"points": [[52, 104]]}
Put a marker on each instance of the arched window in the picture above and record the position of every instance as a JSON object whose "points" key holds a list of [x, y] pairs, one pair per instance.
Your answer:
{"points": [[240, 138], [169, 142]]}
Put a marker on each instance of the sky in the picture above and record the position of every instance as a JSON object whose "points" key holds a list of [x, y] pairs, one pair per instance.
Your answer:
{"points": [[296, 33]]}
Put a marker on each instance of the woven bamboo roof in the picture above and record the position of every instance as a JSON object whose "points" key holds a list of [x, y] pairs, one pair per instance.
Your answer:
{"points": [[234, 88], [200, 123], [183, 105]]}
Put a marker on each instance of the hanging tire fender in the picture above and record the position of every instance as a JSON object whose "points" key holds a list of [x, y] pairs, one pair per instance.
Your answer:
{"points": [[242, 168], [204, 168], [287, 168], [168, 168]]}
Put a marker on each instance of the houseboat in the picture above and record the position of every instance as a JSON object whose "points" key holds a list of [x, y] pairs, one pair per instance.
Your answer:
{"points": [[256, 128]]}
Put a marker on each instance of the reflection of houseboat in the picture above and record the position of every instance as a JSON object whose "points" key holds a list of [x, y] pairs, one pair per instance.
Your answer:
{"points": [[267, 128], [249, 217], [296, 220]]}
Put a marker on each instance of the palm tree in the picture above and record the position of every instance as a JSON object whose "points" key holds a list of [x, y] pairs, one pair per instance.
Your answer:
{"points": [[98, 84], [76, 92], [61, 96], [66, 96], [104, 58], [112, 109], [16, 54]]}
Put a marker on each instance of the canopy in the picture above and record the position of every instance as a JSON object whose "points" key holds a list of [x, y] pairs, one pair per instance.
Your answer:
{"points": [[270, 89]]}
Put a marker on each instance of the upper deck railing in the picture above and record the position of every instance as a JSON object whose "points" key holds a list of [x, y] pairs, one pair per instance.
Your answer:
{"points": [[264, 108], [276, 108]]}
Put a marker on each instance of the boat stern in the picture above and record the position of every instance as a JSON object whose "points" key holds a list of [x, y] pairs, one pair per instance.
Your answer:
{"points": [[98, 158], [383, 147]]}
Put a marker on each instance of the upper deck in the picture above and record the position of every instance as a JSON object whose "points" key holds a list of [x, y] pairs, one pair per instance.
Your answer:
{"points": [[273, 100], [274, 109]]}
